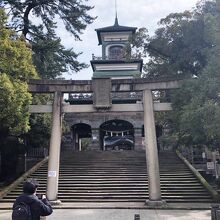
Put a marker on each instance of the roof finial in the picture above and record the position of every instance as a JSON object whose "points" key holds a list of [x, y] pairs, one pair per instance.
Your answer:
{"points": [[116, 14]]}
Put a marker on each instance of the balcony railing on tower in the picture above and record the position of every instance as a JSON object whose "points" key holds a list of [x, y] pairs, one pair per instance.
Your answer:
{"points": [[116, 57]]}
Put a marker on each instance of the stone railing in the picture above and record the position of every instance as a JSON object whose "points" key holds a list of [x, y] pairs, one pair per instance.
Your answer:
{"points": [[203, 159]]}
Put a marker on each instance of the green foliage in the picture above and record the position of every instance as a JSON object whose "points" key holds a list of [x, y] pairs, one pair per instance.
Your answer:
{"points": [[197, 105], [188, 45], [14, 101], [40, 124], [197, 118], [51, 58], [37, 20], [136, 47], [71, 12], [177, 47], [15, 69], [39, 134], [85, 143], [16, 57]]}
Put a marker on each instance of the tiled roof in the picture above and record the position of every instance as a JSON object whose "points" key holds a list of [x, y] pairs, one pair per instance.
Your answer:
{"points": [[115, 28]]}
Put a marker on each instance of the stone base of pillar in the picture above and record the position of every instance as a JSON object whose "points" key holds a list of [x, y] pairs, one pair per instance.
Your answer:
{"points": [[55, 202], [156, 204]]}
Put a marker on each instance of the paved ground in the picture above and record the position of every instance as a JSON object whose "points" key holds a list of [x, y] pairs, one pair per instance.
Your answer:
{"points": [[123, 205], [121, 214]]}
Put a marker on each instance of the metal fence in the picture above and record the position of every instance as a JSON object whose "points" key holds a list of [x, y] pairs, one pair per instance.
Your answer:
{"points": [[37, 153], [215, 212]]}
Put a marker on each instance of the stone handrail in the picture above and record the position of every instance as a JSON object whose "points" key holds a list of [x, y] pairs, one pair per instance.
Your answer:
{"points": [[212, 191], [21, 179]]}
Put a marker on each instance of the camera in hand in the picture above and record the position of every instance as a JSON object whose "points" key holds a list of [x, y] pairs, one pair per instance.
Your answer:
{"points": [[39, 196]]}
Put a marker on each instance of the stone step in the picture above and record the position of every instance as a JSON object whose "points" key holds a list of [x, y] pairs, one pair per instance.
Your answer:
{"points": [[88, 170], [119, 196], [115, 178], [168, 200], [198, 188], [118, 177], [122, 191], [112, 172], [118, 182], [106, 174], [140, 200], [122, 187]]}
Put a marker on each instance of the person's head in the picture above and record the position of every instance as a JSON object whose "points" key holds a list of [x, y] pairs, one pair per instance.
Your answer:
{"points": [[30, 186]]}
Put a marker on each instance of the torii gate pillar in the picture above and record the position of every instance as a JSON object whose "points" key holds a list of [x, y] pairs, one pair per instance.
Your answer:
{"points": [[54, 152], [151, 151]]}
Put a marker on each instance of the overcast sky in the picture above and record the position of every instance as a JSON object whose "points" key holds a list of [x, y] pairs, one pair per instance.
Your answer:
{"points": [[133, 13]]}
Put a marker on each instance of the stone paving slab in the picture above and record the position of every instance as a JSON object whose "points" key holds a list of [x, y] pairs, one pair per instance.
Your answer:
{"points": [[124, 205], [121, 214]]}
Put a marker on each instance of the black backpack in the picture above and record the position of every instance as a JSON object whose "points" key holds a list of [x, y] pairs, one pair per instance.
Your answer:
{"points": [[21, 211]]}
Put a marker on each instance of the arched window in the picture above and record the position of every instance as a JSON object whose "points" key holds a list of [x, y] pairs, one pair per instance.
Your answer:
{"points": [[116, 52]]}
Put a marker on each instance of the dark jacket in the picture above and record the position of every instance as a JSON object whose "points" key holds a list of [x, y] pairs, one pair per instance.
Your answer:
{"points": [[39, 207]]}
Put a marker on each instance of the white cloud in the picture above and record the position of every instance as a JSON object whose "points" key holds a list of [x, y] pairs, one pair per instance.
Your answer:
{"points": [[138, 13]]}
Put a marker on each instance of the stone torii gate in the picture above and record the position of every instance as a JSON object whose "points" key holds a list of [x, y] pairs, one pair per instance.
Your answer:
{"points": [[102, 87]]}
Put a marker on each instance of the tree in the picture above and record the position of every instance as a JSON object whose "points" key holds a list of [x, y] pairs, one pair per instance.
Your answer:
{"points": [[196, 112], [15, 69], [40, 124], [188, 45], [39, 134], [51, 58], [36, 20], [197, 105], [178, 47]]}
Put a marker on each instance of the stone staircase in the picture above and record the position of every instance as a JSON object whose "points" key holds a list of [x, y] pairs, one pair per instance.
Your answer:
{"points": [[118, 176]]}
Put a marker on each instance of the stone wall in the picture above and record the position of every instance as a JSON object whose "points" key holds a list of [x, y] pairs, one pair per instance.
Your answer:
{"points": [[95, 120]]}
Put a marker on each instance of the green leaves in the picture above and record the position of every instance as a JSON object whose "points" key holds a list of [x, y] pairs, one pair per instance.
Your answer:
{"points": [[188, 44], [52, 59], [37, 20], [14, 102], [195, 42], [39, 135], [15, 69], [178, 45]]}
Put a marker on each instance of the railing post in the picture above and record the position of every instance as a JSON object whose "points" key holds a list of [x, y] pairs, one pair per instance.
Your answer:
{"points": [[25, 162], [136, 217], [215, 212]]}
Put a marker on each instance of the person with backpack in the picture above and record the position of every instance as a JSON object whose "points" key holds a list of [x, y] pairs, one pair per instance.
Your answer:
{"points": [[28, 206]]}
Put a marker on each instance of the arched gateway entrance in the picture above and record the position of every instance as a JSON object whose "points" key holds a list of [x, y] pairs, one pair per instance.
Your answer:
{"points": [[79, 132], [117, 135]]}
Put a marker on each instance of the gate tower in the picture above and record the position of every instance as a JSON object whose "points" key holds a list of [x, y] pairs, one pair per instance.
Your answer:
{"points": [[112, 64]]}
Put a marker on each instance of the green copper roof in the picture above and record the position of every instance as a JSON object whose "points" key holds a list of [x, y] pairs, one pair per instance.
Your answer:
{"points": [[115, 73], [116, 27]]}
